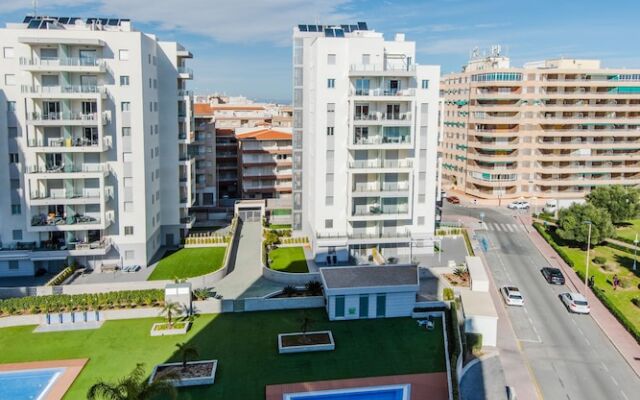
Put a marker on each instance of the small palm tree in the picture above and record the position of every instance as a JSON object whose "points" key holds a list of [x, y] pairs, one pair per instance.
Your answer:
{"points": [[135, 386], [186, 352], [305, 324], [170, 309]]}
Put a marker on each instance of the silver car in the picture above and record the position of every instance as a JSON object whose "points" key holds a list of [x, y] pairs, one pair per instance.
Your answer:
{"points": [[512, 296], [575, 302]]}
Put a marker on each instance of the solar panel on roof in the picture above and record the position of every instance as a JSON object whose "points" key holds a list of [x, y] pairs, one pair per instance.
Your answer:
{"points": [[312, 28], [91, 20], [103, 21], [113, 22], [328, 32], [63, 20], [302, 28], [34, 24], [27, 19], [354, 28], [362, 26], [73, 20], [339, 33]]}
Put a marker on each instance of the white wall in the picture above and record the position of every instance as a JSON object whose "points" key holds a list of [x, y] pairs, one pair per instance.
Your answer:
{"points": [[486, 326], [398, 304]]}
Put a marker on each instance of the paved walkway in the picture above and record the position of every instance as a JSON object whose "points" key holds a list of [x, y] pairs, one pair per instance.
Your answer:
{"points": [[484, 380], [617, 334], [245, 277]]}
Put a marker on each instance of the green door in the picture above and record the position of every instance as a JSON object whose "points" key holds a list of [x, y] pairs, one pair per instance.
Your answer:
{"points": [[339, 307], [381, 305], [364, 306]]}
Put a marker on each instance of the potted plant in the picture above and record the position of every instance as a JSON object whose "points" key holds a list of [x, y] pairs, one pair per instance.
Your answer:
{"points": [[136, 387]]}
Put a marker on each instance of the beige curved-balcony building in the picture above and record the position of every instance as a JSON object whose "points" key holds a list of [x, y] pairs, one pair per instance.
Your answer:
{"points": [[554, 129]]}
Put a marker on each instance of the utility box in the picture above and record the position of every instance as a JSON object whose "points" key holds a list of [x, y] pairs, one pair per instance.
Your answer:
{"points": [[477, 274], [179, 293]]}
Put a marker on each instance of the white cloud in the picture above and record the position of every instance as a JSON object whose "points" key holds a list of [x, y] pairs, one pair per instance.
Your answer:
{"points": [[450, 46], [7, 6]]}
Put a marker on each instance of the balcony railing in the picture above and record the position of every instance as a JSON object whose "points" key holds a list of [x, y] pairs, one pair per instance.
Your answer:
{"points": [[66, 194], [382, 139], [379, 210], [383, 92], [34, 116], [380, 116], [183, 93], [65, 89], [70, 142], [56, 220], [382, 67], [379, 235], [381, 164], [185, 70], [381, 187], [63, 62], [63, 169]]}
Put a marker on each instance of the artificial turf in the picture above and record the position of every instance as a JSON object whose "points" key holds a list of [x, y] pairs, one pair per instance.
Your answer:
{"points": [[245, 346], [288, 259], [187, 263]]}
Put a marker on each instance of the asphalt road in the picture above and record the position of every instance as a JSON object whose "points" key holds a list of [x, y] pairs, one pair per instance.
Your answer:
{"points": [[571, 358]]}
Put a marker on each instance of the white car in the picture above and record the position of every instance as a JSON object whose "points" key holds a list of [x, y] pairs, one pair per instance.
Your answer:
{"points": [[512, 296], [519, 205], [575, 302]]}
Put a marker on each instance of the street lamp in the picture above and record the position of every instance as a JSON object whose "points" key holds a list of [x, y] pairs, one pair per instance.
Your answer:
{"points": [[586, 275]]}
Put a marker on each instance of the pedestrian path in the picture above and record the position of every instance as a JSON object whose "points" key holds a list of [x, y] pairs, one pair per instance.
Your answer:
{"points": [[496, 227]]}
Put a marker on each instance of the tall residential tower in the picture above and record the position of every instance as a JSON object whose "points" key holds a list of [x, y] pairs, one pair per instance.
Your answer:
{"points": [[364, 143]]}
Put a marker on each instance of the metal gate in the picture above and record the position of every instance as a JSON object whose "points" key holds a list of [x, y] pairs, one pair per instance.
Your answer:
{"points": [[250, 214]]}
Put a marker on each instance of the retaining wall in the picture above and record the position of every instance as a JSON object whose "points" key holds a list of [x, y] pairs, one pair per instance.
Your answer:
{"points": [[288, 278], [259, 304]]}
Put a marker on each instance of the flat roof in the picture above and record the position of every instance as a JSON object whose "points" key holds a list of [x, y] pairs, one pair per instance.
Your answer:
{"points": [[359, 277], [477, 304]]}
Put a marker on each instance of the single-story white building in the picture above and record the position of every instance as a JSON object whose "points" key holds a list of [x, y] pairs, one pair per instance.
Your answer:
{"points": [[477, 274], [370, 292], [480, 315]]}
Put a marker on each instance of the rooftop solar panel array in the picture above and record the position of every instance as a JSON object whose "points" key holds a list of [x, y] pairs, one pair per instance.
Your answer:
{"points": [[334, 30], [41, 22]]}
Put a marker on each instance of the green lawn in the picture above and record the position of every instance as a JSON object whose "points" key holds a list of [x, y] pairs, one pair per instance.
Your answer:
{"points": [[280, 227], [619, 263], [629, 230], [288, 259], [187, 263], [281, 211], [245, 346]]}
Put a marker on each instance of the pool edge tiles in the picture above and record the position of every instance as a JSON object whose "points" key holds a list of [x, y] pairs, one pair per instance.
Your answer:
{"points": [[70, 369], [387, 392]]}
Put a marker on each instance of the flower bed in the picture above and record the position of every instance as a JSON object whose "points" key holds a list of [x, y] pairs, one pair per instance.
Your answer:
{"points": [[163, 328], [196, 373], [301, 343]]}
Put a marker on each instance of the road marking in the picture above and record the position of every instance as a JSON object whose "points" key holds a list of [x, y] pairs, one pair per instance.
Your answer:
{"points": [[588, 342], [508, 227], [498, 228], [624, 395], [604, 366], [580, 330], [614, 380], [530, 340]]}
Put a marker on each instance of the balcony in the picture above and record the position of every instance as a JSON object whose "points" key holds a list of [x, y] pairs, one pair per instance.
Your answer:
{"points": [[187, 222], [185, 93], [384, 94], [381, 164], [71, 171], [64, 119], [73, 196], [377, 211], [388, 188], [403, 141], [70, 145], [69, 64], [380, 118], [385, 69], [64, 92], [185, 73], [56, 222]]}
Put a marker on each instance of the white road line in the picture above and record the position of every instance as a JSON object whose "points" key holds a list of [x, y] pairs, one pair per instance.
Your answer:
{"points": [[504, 227], [530, 340], [510, 227], [614, 380], [580, 330], [498, 227], [588, 342], [604, 366], [624, 395], [574, 321]]}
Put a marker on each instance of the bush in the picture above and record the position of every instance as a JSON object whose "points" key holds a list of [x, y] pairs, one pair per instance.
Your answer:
{"points": [[289, 291], [314, 287], [62, 276], [467, 242], [474, 342], [636, 301], [599, 260], [447, 294], [77, 302]]}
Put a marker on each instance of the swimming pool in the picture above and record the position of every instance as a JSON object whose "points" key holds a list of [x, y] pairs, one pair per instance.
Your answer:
{"points": [[396, 392], [27, 384]]}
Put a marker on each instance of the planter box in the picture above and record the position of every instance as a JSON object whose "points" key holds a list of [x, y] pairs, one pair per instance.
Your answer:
{"points": [[156, 331], [318, 341], [197, 373]]}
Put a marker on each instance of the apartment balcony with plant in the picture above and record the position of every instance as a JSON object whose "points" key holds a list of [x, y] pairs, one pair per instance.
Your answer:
{"points": [[376, 207]]}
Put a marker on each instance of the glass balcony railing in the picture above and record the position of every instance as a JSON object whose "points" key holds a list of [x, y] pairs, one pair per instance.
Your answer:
{"points": [[65, 89], [63, 62]]}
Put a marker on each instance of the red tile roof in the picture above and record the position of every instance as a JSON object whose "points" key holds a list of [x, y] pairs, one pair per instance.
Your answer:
{"points": [[202, 109], [265, 134]]}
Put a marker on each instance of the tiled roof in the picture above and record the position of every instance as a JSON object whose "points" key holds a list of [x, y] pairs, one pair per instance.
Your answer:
{"points": [[236, 107], [202, 109], [265, 134]]}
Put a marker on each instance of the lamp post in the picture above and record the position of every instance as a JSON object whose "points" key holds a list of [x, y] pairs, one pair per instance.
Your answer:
{"points": [[635, 249], [586, 275]]}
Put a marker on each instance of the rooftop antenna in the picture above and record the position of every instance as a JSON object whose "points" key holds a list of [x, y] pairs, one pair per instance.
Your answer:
{"points": [[35, 7]]}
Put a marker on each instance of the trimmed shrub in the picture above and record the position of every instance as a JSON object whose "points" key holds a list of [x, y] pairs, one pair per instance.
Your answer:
{"points": [[599, 260], [474, 342], [447, 294], [62, 276], [636, 301]]}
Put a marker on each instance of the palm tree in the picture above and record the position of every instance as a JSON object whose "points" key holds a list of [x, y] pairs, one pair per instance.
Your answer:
{"points": [[305, 324], [135, 386], [170, 309], [186, 352]]}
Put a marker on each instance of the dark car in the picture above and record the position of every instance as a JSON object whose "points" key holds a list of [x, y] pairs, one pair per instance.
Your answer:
{"points": [[453, 200], [553, 275]]}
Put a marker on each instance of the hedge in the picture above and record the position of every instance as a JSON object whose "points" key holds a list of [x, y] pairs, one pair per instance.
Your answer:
{"points": [[635, 332], [62, 276], [78, 302], [616, 246], [454, 349], [467, 242]]}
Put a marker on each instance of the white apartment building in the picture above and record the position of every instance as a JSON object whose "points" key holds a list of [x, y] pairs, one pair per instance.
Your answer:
{"points": [[364, 143], [93, 116]]}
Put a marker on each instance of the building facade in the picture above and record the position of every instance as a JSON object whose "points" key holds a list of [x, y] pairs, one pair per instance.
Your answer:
{"points": [[88, 109], [551, 130], [364, 143], [265, 162]]}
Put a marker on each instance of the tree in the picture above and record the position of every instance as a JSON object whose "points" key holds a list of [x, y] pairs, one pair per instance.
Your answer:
{"points": [[571, 224], [305, 324], [622, 203], [186, 352], [170, 309], [135, 386]]}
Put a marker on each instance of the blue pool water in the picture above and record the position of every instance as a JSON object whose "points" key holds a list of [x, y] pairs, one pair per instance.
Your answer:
{"points": [[28, 384], [395, 393]]}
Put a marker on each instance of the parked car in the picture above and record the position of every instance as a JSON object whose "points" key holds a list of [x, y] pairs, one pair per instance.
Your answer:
{"points": [[512, 296], [519, 205], [453, 200], [575, 302], [553, 275]]}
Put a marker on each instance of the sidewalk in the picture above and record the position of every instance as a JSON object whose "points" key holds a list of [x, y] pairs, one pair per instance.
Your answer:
{"points": [[617, 334]]}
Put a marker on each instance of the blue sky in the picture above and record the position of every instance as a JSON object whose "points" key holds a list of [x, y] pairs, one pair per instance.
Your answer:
{"points": [[243, 47]]}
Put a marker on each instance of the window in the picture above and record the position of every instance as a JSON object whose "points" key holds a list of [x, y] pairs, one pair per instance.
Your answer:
{"points": [[8, 52], [339, 311], [13, 132], [364, 306], [155, 106], [9, 79], [425, 84], [13, 264], [329, 130], [15, 183], [125, 106], [331, 107], [331, 83], [149, 55], [366, 59], [328, 201], [128, 230], [381, 305], [16, 209], [124, 80], [331, 59], [422, 198], [155, 83], [128, 206], [11, 106], [328, 224], [150, 83], [123, 55], [420, 220], [129, 254], [126, 131], [17, 234], [14, 158], [151, 106]]}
